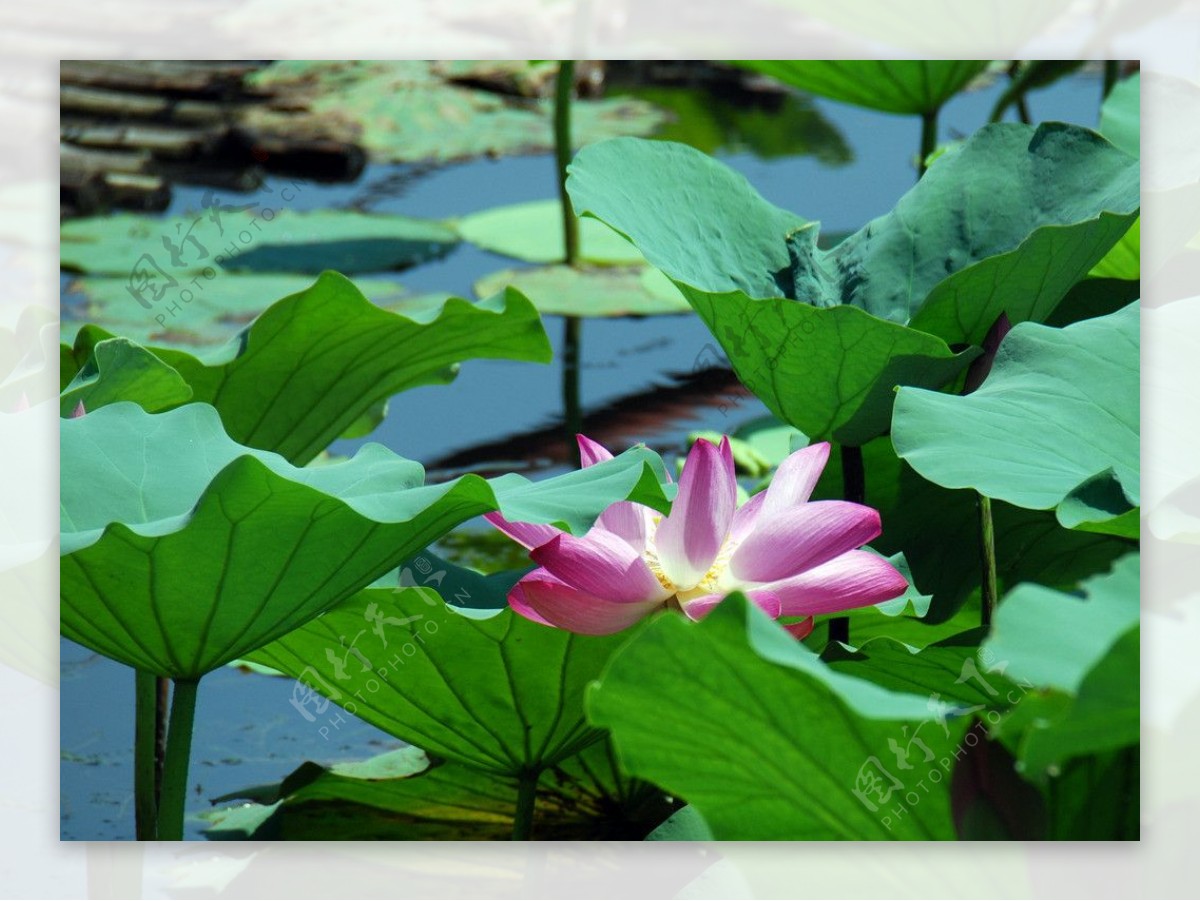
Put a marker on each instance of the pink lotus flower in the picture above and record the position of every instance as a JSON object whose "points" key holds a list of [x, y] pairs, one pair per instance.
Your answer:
{"points": [[790, 556]]}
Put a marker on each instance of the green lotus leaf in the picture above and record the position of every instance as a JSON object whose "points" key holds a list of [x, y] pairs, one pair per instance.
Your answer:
{"points": [[893, 86], [947, 669], [488, 689], [118, 369], [969, 242], [402, 795], [183, 550], [1121, 115], [1056, 421], [174, 251], [309, 368], [1079, 660], [928, 523], [764, 740]]}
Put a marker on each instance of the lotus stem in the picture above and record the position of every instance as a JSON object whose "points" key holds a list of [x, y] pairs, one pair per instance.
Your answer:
{"points": [[854, 488], [526, 800], [145, 789], [162, 704], [572, 326], [562, 153], [175, 769], [987, 559], [929, 136]]}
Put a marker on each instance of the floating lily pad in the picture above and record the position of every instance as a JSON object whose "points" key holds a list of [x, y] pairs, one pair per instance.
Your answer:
{"points": [[608, 291], [403, 112], [533, 232], [156, 254]]}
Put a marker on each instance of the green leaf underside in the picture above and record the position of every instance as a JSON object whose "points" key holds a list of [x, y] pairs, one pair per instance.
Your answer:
{"points": [[242, 240], [1083, 658], [1056, 421], [184, 550], [1006, 222], [928, 523], [1121, 115], [831, 373], [945, 670], [966, 244], [764, 740], [1053, 639], [400, 795], [571, 291], [307, 369], [119, 369], [892, 86], [533, 232], [500, 694]]}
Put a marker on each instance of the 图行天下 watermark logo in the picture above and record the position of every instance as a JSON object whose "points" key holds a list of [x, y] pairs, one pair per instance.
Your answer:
{"points": [[192, 256], [893, 788], [363, 663]]}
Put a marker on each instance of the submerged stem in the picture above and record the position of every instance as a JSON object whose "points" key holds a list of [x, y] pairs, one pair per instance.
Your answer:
{"points": [[145, 797], [526, 800], [1112, 74], [987, 559], [175, 769], [572, 410]]}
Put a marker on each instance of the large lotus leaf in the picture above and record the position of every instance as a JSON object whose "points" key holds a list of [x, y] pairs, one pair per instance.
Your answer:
{"points": [[1121, 115], [1052, 640], [402, 795], [177, 249], [1082, 656], [183, 550], [767, 742], [831, 373], [946, 670], [607, 291], [893, 86], [1056, 421], [929, 524], [116, 370], [533, 232], [494, 691], [403, 112], [310, 366], [1006, 222]]}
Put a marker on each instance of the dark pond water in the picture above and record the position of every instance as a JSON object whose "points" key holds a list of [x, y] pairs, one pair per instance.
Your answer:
{"points": [[855, 164]]}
